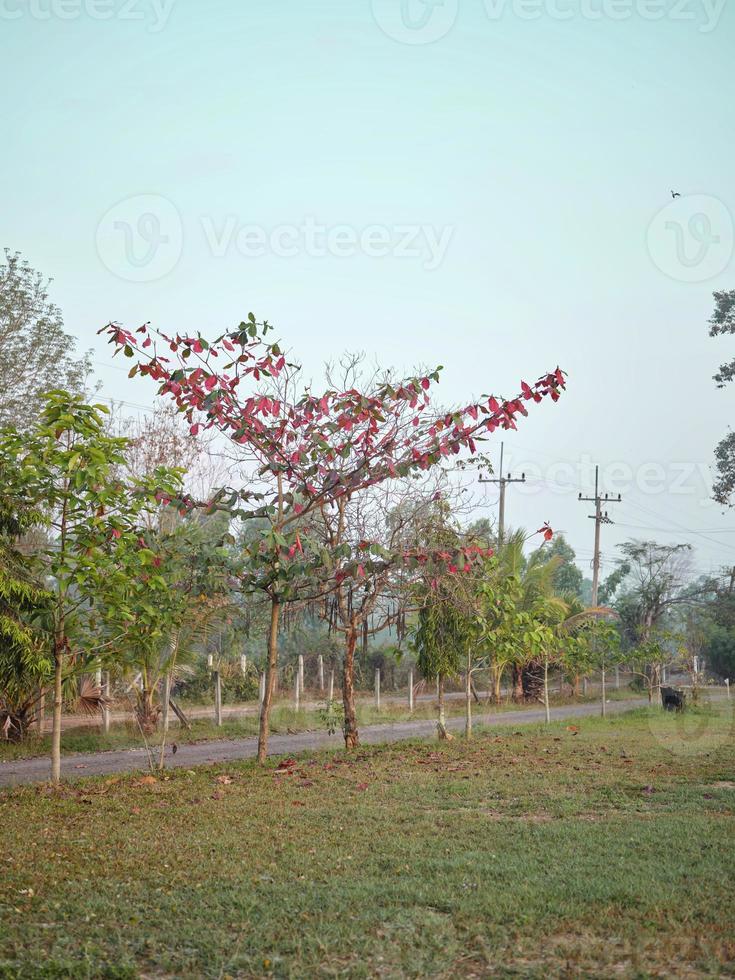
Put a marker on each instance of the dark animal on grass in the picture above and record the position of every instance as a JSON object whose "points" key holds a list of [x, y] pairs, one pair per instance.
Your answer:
{"points": [[672, 699]]}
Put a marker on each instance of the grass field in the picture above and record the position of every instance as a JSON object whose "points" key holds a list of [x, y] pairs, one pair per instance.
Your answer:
{"points": [[598, 849]]}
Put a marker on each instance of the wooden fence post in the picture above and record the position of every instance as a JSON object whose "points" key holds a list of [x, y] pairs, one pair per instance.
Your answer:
{"points": [[331, 685], [297, 691], [410, 691], [377, 688], [301, 674], [243, 664], [321, 673]]}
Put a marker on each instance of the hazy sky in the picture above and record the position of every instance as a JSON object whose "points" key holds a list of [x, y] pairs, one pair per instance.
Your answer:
{"points": [[484, 185]]}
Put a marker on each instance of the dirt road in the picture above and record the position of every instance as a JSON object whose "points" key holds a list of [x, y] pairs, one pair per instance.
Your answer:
{"points": [[228, 750]]}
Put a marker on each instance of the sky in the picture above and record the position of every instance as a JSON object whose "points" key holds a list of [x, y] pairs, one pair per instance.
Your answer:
{"points": [[482, 184]]}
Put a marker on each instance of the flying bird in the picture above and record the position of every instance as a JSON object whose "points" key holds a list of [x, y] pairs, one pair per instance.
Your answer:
{"points": [[675, 194]]}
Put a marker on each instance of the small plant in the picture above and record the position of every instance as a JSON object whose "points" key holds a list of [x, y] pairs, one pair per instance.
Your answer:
{"points": [[333, 716]]}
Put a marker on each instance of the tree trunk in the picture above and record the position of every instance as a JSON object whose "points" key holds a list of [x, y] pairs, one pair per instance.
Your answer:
{"points": [[352, 737], [468, 699], [56, 722], [441, 725], [270, 680], [147, 712], [532, 681], [517, 682], [497, 679], [656, 683], [547, 712]]}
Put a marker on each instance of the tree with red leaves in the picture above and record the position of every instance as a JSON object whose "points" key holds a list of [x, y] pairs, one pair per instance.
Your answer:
{"points": [[311, 450]]}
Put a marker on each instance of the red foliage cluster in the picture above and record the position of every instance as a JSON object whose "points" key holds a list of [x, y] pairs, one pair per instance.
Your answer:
{"points": [[322, 445]]}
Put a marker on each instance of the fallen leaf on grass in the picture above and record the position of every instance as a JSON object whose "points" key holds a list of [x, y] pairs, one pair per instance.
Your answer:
{"points": [[145, 781], [285, 767], [224, 779]]}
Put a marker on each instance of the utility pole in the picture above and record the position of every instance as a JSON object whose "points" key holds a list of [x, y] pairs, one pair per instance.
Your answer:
{"points": [[503, 482], [600, 517]]}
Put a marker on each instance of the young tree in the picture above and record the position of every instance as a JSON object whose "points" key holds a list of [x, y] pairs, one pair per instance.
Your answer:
{"points": [[171, 585], [651, 581], [311, 449], [660, 649], [36, 353], [63, 469], [442, 639]]}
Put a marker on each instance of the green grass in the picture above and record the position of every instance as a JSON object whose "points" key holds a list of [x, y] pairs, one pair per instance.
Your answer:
{"points": [[537, 853]]}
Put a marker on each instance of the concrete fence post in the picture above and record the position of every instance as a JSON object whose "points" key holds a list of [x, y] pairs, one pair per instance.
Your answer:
{"points": [[218, 699]]}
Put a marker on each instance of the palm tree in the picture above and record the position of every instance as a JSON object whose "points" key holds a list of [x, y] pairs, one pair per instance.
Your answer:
{"points": [[534, 600]]}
